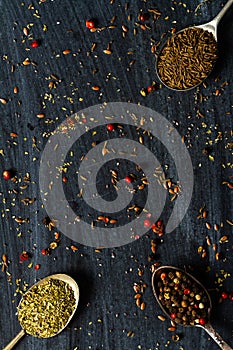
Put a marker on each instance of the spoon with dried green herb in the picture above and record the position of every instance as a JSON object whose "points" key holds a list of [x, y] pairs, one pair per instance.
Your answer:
{"points": [[184, 300], [188, 57], [47, 307]]}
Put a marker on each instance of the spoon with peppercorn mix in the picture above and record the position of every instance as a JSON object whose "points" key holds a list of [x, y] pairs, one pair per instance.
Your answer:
{"points": [[188, 56], [47, 307], [184, 300]]}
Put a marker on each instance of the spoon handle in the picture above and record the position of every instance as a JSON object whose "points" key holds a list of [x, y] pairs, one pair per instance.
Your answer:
{"points": [[216, 337], [223, 11], [15, 340]]}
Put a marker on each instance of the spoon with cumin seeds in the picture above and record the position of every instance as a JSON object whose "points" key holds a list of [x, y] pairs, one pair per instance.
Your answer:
{"points": [[188, 57], [47, 307], [184, 300]]}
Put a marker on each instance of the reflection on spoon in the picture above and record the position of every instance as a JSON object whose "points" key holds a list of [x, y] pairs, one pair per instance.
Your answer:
{"points": [[184, 300], [188, 57], [36, 310]]}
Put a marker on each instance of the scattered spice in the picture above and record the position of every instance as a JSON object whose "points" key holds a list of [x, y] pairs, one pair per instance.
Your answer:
{"points": [[107, 52], [3, 101], [26, 62], [95, 88], [4, 262], [158, 227], [66, 52], [25, 31], [40, 115]]}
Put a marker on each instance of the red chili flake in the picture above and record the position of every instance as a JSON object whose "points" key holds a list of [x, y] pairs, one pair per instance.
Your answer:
{"points": [[224, 295], [147, 223], [7, 174], [186, 291], [173, 316], [24, 256], [202, 321], [128, 179], [64, 179], [196, 306], [143, 17], [159, 223], [90, 23], [37, 267], [110, 127], [34, 44]]}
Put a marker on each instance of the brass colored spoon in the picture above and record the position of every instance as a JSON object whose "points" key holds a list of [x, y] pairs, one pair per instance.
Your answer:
{"points": [[65, 278], [210, 27], [207, 327]]}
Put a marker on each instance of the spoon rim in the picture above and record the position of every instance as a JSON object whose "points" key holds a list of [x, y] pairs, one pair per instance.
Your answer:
{"points": [[190, 276], [201, 26], [65, 278]]}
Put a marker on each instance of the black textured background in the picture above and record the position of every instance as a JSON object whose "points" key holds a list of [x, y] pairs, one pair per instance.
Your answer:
{"points": [[106, 279]]}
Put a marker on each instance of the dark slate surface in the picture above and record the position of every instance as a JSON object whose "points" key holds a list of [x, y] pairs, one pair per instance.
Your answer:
{"points": [[106, 279]]}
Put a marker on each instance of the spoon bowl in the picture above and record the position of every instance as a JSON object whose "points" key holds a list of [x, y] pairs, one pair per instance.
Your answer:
{"points": [[62, 277], [165, 269], [210, 27], [207, 326]]}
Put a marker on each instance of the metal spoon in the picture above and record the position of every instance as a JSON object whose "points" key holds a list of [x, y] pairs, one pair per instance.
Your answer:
{"points": [[210, 27], [62, 277], [207, 327]]}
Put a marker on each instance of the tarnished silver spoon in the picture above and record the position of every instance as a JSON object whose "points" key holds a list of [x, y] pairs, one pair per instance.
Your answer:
{"points": [[63, 277], [210, 27], [207, 326]]}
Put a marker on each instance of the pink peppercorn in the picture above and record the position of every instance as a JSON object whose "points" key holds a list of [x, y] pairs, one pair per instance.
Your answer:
{"points": [[202, 321], [90, 23], [143, 17], [34, 44], [224, 295], [110, 127], [45, 251], [7, 174], [147, 223], [186, 291], [128, 179]]}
